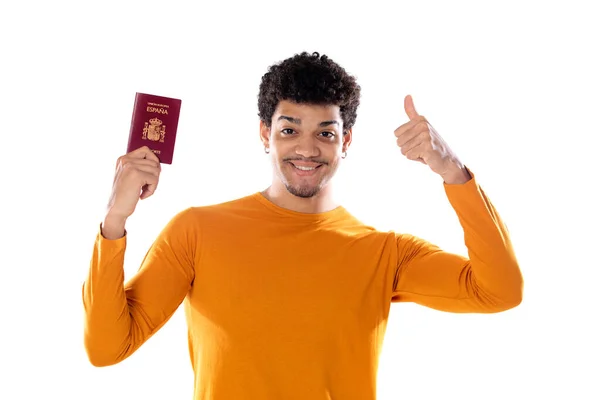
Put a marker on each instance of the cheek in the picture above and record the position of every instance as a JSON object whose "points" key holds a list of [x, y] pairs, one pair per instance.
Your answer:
{"points": [[281, 150], [335, 163]]}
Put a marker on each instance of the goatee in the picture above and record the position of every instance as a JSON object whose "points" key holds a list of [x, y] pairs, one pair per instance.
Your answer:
{"points": [[303, 192]]}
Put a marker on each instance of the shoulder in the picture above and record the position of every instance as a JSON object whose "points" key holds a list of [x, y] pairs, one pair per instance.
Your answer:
{"points": [[197, 215], [365, 234], [382, 240]]}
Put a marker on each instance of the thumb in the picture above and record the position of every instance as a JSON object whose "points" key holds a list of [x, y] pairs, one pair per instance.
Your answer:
{"points": [[409, 107]]}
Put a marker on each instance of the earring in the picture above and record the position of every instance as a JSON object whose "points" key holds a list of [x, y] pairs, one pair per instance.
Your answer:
{"points": [[345, 154], [266, 150]]}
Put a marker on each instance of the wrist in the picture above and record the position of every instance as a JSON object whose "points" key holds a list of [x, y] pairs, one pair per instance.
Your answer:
{"points": [[457, 174], [113, 226]]}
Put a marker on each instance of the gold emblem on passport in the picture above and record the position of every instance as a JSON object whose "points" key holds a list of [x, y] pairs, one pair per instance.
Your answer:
{"points": [[154, 130]]}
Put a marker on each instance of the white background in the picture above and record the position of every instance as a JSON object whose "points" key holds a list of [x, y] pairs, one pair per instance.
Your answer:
{"points": [[513, 87]]}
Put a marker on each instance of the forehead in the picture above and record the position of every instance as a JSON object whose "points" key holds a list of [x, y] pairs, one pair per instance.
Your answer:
{"points": [[310, 113]]}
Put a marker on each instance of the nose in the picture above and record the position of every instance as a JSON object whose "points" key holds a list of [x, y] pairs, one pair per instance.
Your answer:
{"points": [[307, 146]]}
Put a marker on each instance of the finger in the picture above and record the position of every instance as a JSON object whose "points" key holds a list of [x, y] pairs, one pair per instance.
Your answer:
{"points": [[148, 169], [417, 127], [147, 191], [133, 163], [150, 185], [403, 128], [414, 142], [415, 153], [140, 174], [147, 182], [143, 152], [409, 108], [136, 165], [420, 120], [142, 161], [140, 153]]}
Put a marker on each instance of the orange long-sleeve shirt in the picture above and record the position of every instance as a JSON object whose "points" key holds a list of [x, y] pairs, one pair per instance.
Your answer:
{"points": [[285, 305]]}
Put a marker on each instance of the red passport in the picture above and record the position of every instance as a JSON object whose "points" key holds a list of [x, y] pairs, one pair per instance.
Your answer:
{"points": [[154, 124]]}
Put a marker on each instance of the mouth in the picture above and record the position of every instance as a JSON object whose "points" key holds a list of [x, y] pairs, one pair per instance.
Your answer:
{"points": [[305, 169]]}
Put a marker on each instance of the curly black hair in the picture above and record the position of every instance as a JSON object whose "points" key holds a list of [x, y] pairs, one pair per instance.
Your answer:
{"points": [[312, 79]]}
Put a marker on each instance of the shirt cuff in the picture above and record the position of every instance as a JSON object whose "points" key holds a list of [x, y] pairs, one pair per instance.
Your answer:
{"points": [[119, 242]]}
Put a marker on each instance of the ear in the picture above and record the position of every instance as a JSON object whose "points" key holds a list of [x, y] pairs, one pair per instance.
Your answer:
{"points": [[265, 133], [346, 140]]}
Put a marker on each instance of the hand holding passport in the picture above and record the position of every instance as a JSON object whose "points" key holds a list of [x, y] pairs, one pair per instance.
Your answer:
{"points": [[151, 142]]}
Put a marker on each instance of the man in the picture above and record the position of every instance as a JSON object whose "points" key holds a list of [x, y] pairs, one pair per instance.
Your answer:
{"points": [[286, 294]]}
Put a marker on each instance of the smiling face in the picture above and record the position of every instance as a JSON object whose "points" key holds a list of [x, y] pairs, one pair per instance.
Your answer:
{"points": [[306, 143]]}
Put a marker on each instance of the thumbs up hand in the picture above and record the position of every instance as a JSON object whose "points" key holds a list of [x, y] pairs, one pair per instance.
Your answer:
{"points": [[419, 141]]}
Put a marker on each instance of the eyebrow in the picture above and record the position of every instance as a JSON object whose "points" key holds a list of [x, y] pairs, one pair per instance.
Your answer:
{"points": [[297, 121]]}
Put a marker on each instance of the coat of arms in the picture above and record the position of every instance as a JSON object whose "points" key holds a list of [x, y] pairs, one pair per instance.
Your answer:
{"points": [[154, 130]]}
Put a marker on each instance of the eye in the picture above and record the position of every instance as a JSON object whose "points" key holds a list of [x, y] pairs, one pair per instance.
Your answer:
{"points": [[287, 131], [328, 134]]}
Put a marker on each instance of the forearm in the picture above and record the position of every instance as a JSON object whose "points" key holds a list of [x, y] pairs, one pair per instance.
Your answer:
{"points": [[494, 271], [107, 317]]}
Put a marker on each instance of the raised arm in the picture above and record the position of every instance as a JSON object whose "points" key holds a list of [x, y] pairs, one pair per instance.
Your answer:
{"points": [[488, 280], [119, 316]]}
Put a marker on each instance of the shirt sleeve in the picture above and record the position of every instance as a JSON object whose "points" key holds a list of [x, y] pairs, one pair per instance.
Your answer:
{"points": [[488, 280], [120, 317]]}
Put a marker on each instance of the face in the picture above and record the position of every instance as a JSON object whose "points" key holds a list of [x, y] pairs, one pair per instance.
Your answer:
{"points": [[306, 143]]}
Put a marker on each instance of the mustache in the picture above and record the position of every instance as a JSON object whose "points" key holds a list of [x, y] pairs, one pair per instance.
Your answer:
{"points": [[314, 160]]}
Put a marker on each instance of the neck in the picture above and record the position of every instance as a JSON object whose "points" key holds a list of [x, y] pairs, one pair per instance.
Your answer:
{"points": [[319, 203]]}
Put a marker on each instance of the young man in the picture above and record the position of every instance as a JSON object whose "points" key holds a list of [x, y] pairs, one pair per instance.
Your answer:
{"points": [[286, 294]]}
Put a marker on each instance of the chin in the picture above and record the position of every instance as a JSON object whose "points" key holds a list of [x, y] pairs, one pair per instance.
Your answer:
{"points": [[304, 192]]}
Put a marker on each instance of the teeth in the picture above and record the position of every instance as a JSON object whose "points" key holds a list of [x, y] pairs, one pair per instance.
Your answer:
{"points": [[304, 168]]}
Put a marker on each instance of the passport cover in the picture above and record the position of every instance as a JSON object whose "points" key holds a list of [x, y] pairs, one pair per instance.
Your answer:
{"points": [[154, 124]]}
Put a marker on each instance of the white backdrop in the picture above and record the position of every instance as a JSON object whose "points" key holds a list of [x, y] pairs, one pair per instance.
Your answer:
{"points": [[513, 88]]}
